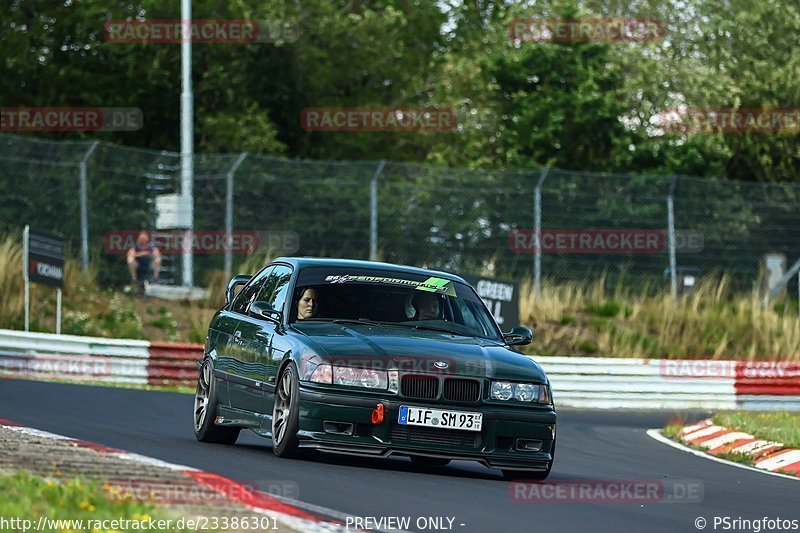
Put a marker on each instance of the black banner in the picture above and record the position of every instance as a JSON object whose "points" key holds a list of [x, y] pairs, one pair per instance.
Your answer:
{"points": [[501, 297], [46, 258]]}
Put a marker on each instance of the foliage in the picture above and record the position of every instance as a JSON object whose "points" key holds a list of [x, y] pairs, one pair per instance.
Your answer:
{"points": [[577, 105], [712, 321]]}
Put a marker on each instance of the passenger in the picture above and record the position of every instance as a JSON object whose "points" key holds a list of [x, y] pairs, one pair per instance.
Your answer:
{"points": [[308, 304], [427, 306]]}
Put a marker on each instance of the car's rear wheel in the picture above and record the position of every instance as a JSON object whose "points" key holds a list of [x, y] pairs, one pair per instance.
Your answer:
{"points": [[286, 414], [205, 410], [421, 460]]}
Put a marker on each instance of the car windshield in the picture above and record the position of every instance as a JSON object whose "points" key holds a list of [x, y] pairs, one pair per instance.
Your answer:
{"points": [[390, 298]]}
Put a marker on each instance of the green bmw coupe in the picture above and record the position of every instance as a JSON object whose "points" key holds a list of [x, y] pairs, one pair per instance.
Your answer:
{"points": [[373, 359]]}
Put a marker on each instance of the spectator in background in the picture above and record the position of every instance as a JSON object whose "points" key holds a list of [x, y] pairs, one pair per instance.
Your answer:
{"points": [[144, 261]]}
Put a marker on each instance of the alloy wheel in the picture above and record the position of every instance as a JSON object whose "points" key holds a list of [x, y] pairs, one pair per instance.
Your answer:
{"points": [[201, 396], [283, 407]]}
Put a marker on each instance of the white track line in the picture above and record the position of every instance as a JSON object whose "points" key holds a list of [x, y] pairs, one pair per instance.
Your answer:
{"points": [[301, 524], [656, 434]]}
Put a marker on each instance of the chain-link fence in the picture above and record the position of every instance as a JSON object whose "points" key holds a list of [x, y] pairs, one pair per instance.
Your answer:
{"points": [[552, 223]]}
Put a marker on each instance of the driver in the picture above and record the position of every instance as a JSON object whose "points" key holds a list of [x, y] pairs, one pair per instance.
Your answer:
{"points": [[308, 304]]}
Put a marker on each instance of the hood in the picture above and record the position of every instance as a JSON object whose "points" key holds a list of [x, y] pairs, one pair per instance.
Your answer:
{"points": [[417, 351]]}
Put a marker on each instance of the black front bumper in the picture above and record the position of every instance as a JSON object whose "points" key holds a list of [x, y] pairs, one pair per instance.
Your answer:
{"points": [[494, 445]]}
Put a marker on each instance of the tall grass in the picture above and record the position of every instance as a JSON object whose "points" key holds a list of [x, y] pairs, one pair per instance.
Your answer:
{"points": [[711, 321], [86, 309], [12, 298]]}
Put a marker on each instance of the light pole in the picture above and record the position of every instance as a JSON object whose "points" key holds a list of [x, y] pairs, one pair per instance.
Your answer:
{"points": [[187, 146]]}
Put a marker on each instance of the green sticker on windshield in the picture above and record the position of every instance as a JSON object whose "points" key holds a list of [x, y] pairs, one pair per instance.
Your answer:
{"points": [[438, 285], [432, 284]]}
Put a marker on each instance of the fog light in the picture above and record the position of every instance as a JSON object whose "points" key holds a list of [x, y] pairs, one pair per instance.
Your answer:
{"points": [[337, 428], [529, 445]]}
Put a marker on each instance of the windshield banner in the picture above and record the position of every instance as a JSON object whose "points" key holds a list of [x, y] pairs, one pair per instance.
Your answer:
{"points": [[432, 284]]}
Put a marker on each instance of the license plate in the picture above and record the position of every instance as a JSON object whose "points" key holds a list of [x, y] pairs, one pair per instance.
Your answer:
{"points": [[438, 418]]}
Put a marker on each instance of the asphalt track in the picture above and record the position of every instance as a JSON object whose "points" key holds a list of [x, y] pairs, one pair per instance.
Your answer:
{"points": [[592, 445]]}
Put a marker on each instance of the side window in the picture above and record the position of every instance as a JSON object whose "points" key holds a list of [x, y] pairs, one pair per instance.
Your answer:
{"points": [[276, 284], [467, 315], [248, 295], [473, 317]]}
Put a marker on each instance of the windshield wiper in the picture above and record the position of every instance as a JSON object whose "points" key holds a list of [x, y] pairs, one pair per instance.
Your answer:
{"points": [[441, 330], [361, 321], [365, 322]]}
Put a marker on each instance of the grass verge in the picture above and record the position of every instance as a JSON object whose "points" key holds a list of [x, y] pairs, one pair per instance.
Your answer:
{"points": [[29, 497], [781, 427]]}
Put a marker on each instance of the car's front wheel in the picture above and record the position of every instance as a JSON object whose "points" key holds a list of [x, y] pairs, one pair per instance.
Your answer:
{"points": [[205, 410], [286, 414]]}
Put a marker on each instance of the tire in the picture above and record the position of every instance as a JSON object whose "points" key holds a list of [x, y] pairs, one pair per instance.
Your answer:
{"points": [[205, 410], [421, 460], [286, 414]]}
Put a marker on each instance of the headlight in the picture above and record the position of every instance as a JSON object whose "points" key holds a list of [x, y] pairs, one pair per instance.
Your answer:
{"points": [[521, 392], [344, 375], [502, 390], [321, 374], [352, 377], [359, 377], [525, 392]]}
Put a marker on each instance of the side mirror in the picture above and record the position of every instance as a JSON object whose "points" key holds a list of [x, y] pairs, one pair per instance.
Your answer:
{"points": [[235, 282], [261, 309], [518, 336]]}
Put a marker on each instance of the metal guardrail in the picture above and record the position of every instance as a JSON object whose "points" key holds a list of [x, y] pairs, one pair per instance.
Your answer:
{"points": [[592, 382], [76, 358], [173, 364], [585, 382]]}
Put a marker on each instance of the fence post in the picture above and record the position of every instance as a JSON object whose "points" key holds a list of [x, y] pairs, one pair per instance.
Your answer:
{"points": [[793, 270], [85, 207], [26, 275], [373, 212], [229, 213], [537, 230], [673, 274]]}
